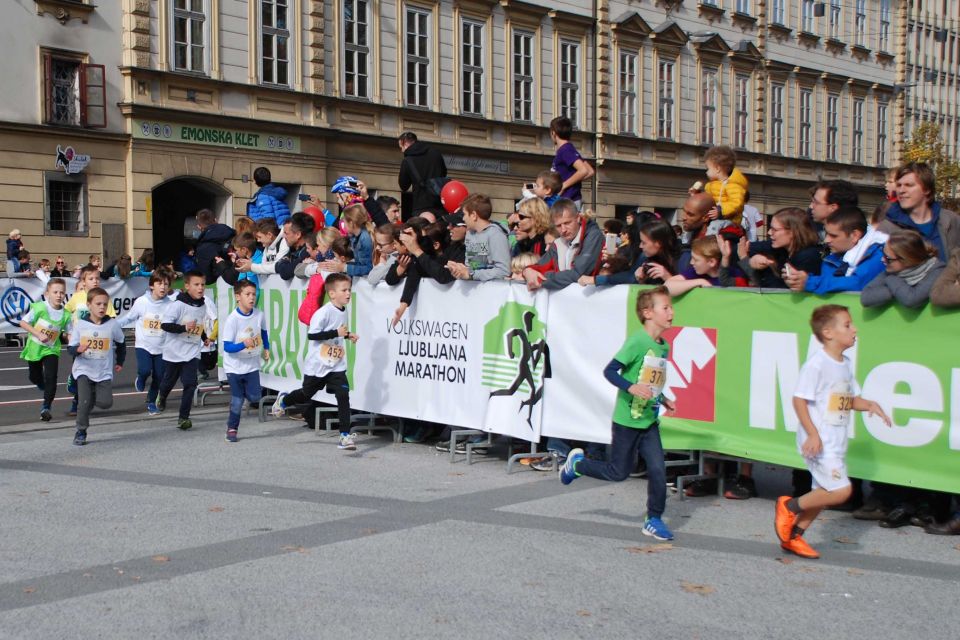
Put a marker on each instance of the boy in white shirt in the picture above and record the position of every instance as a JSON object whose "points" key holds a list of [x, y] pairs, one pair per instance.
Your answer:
{"points": [[95, 340], [326, 363], [183, 321], [826, 394], [147, 315], [245, 342]]}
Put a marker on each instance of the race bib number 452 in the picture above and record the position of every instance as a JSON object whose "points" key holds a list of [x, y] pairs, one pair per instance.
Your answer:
{"points": [[331, 353]]}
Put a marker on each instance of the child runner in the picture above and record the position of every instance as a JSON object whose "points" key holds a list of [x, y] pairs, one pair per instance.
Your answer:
{"points": [[245, 341], [45, 321], [88, 279], [826, 393], [95, 340], [184, 321], [326, 364], [639, 372], [147, 315]]}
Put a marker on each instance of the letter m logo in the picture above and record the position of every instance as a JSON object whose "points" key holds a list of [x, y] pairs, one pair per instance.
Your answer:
{"points": [[692, 372]]}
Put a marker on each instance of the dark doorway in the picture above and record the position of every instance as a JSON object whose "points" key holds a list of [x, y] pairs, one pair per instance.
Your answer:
{"points": [[175, 205]]}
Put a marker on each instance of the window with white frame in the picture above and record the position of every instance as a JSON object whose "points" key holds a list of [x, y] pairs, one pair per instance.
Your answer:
{"points": [[708, 107], [833, 105], [881, 134], [65, 204], [743, 6], [856, 146], [779, 12], [523, 76], [805, 119], [741, 114], [835, 25], [628, 92], [776, 118], [884, 36], [806, 16], [665, 91], [274, 42], [570, 80], [418, 57], [471, 65], [356, 48], [189, 35], [860, 23]]}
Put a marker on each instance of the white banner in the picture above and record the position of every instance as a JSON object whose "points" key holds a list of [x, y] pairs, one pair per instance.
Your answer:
{"points": [[19, 293]]}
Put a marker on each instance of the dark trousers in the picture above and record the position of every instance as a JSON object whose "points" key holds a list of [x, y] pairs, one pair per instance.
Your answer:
{"points": [[150, 366], [90, 393], [626, 444], [335, 383], [186, 372], [242, 385], [43, 373]]}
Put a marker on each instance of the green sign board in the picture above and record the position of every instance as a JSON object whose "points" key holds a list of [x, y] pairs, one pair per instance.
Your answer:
{"points": [[215, 136]]}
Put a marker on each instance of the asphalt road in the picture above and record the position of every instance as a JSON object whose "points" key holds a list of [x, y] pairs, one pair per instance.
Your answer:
{"points": [[150, 532]]}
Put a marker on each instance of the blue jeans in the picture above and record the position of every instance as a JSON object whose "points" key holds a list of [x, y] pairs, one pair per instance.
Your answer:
{"points": [[187, 373], [242, 385], [150, 366], [626, 444]]}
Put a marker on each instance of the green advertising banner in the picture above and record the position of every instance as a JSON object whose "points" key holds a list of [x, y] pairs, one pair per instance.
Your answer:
{"points": [[215, 136]]}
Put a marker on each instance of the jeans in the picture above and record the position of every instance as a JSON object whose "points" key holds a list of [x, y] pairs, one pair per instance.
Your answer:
{"points": [[626, 444], [242, 385], [43, 373], [90, 393], [150, 366], [335, 383], [187, 373]]}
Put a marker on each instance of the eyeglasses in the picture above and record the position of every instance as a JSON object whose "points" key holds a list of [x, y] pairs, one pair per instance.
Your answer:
{"points": [[893, 258], [524, 216], [60, 262]]}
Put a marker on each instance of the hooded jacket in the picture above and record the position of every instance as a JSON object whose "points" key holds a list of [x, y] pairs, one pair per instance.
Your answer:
{"points": [[585, 261], [944, 233], [853, 270], [268, 202], [213, 241], [729, 195], [427, 163]]}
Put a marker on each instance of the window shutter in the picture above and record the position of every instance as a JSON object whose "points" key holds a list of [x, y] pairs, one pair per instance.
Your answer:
{"points": [[47, 88], [93, 96]]}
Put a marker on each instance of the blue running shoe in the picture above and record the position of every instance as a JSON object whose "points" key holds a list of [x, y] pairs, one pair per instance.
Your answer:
{"points": [[45, 414], [140, 384], [152, 409], [71, 384], [655, 527], [80, 438], [568, 472]]}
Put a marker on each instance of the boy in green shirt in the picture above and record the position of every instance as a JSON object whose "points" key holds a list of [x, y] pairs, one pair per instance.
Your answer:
{"points": [[639, 371], [45, 321]]}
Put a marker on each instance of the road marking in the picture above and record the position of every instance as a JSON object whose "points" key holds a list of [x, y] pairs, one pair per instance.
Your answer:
{"points": [[15, 369], [39, 400]]}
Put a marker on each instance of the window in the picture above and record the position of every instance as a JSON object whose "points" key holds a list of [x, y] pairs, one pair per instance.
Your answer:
{"points": [[665, 99], [741, 116], [776, 118], [708, 107], [472, 67], [65, 206], [418, 57], [74, 92], [860, 23], [881, 134], [835, 30], [523, 76], [806, 16], [778, 12], [356, 49], [274, 42], [884, 35], [628, 92], [189, 35], [833, 102], [569, 80], [856, 148], [743, 6], [806, 102]]}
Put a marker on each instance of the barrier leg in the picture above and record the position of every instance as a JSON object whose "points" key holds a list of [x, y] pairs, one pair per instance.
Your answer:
{"points": [[461, 433]]}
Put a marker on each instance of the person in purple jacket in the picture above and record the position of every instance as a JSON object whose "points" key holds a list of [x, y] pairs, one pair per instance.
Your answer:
{"points": [[567, 162]]}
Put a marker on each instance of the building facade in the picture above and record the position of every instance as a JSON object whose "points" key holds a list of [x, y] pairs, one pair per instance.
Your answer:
{"points": [[195, 94]]}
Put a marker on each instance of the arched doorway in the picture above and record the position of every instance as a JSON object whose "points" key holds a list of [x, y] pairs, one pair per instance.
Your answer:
{"points": [[175, 204]]}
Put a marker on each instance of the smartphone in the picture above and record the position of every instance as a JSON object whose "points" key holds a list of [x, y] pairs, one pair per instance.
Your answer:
{"points": [[303, 197], [611, 243], [788, 270], [529, 186]]}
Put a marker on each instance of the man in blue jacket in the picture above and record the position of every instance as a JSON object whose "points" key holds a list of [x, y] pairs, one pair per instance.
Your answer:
{"points": [[856, 256], [268, 201]]}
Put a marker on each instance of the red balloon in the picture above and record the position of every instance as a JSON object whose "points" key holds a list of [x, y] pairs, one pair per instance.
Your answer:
{"points": [[453, 194], [317, 215]]}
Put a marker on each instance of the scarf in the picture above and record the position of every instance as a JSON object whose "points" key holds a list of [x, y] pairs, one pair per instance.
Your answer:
{"points": [[913, 275]]}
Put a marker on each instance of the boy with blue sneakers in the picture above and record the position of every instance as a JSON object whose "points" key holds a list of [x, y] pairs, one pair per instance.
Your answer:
{"points": [[147, 316], [639, 371], [245, 342]]}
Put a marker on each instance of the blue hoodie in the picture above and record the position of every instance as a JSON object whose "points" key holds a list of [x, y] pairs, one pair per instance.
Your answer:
{"points": [[837, 274], [268, 202], [930, 231]]}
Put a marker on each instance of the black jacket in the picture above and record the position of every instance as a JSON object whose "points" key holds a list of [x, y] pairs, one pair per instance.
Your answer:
{"points": [[427, 163], [213, 241]]}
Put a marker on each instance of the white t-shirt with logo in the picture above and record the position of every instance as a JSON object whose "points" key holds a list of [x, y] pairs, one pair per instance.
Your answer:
{"points": [[829, 388], [184, 347], [146, 315], [326, 356], [237, 328], [96, 362]]}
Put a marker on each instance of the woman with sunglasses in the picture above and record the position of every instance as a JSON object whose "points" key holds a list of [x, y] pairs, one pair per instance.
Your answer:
{"points": [[912, 268], [60, 269]]}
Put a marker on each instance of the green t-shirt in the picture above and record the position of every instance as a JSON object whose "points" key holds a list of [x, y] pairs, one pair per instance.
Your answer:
{"points": [[645, 361]]}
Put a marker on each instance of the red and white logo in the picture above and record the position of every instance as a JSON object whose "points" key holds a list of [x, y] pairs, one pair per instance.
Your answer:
{"points": [[692, 372]]}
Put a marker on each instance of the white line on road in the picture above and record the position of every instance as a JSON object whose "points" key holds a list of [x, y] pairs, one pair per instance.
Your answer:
{"points": [[15, 369], [173, 394]]}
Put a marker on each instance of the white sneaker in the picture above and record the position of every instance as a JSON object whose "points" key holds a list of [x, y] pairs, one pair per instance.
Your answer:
{"points": [[278, 409], [348, 442]]}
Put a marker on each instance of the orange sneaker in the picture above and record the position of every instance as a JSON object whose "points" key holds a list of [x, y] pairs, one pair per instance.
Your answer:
{"points": [[800, 547], [784, 519]]}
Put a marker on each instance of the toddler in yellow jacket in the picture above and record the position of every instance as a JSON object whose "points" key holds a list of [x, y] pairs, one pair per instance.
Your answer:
{"points": [[727, 185]]}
